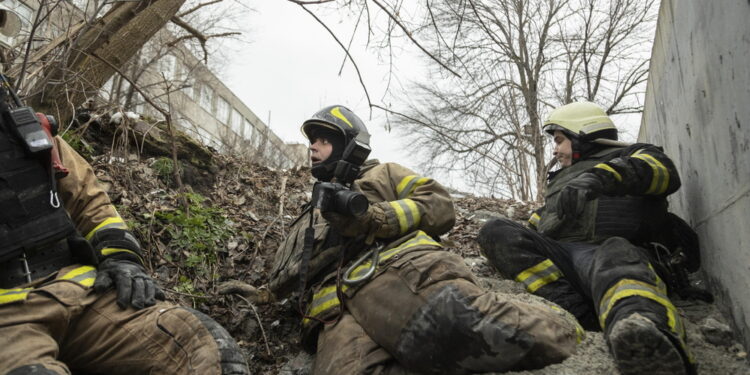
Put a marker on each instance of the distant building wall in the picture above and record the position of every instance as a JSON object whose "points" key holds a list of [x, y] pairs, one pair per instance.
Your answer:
{"points": [[201, 104], [697, 108]]}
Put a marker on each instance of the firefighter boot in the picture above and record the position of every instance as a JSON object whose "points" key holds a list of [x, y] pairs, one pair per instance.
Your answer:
{"points": [[639, 347]]}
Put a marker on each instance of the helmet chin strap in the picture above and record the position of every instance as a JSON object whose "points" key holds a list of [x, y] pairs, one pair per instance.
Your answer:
{"points": [[324, 171]]}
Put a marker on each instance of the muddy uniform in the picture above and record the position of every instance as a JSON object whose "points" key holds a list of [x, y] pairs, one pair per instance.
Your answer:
{"points": [[591, 264], [422, 310], [58, 322]]}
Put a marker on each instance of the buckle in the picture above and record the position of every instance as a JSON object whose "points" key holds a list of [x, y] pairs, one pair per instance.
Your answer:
{"points": [[26, 271]]}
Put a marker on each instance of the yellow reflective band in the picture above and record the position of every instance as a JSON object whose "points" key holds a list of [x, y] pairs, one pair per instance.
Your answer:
{"points": [[13, 295], [539, 275], [84, 275], [630, 288], [336, 111], [114, 222], [534, 219], [609, 169], [416, 216], [533, 287], [113, 250], [77, 272], [660, 178], [408, 184], [532, 271], [401, 216]]}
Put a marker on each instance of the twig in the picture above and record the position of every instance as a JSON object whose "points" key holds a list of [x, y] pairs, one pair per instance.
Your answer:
{"points": [[281, 204], [191, 295], [257, 317], [359, 75]]}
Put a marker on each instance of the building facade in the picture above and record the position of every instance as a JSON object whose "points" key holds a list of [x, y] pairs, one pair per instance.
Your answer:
{"points": [[199, 102]]}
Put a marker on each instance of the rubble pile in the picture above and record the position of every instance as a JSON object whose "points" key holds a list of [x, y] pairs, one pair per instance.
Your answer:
{"points": [[242, 210]]}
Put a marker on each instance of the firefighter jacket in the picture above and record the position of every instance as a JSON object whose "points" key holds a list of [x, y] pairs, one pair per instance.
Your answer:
{"points": [[94, 218], [418, 209], [636, 180]]}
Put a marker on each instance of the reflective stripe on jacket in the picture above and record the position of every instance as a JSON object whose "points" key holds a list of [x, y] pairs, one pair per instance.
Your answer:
{"points": [[416, 203]]}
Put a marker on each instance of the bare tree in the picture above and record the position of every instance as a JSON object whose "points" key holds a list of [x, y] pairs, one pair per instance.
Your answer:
{"points": [[499, 67]]}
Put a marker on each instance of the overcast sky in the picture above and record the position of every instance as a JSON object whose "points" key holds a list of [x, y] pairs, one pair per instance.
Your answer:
{"points": [[290, 69]]}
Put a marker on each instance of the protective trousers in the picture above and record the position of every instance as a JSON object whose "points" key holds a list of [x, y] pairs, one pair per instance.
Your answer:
{"points": [[425, 313], [614, 279], [63, 326]]}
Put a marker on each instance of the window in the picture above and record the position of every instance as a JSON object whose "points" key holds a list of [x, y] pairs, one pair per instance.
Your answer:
{"points": [[222, 110], [166, 67], [207, 98], [248, 131], [236, 122], [195, 93]]}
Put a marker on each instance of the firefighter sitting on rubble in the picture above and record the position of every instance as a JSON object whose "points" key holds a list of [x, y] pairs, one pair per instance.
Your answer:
{"points": [[87, 304], [582, 252], [420, 309]]}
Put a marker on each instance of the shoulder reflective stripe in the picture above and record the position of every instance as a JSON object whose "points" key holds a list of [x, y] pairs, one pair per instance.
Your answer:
{"points": [[629, 288], [539, 275], [84, 275], [13, 295], [408, 184], [609, 169], [336, 111], [534, 219], [407, 214], [112, 222], [660, 178]]}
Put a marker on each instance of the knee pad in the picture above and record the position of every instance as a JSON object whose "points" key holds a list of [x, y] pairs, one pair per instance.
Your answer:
{"points": [[32, 369], [232, 360]]}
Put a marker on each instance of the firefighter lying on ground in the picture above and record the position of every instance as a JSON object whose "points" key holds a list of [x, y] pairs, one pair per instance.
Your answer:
{"points": [[420, 309], [70, 302], [583, 251]]}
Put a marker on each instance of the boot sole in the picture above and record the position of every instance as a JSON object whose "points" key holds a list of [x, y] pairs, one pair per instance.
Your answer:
{"points": [[639, 348]]}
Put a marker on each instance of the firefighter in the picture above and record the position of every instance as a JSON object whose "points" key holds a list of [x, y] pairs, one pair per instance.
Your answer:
{"points": [[583, 251], [379, 293], [74, 291]]}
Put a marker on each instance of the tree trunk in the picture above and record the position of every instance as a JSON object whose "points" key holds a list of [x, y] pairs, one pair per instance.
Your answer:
{"points": [[115, 37]]}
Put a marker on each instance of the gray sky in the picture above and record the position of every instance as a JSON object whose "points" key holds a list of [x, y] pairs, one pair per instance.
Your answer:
{"points": [[291, 69], [291, 66]]}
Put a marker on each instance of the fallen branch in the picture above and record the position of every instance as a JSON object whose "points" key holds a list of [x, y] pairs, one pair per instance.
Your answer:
{"points": [[260, 324]]}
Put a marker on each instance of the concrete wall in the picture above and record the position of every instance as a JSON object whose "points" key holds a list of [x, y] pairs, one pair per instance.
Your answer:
{"points": [[698, 108]]}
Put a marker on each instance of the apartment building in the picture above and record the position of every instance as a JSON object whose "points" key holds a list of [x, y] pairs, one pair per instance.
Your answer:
{"points": [[200, 103]]}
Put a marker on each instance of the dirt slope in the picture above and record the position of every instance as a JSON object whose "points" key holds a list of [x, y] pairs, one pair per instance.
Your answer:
{"points": [[244, 222]]}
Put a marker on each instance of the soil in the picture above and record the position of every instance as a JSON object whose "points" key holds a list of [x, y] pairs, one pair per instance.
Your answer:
{"points": [[258, 204]]}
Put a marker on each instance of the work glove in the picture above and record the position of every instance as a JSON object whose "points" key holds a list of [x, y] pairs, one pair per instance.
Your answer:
{"points": [[576, 193], [134, 286], [369, 223]]}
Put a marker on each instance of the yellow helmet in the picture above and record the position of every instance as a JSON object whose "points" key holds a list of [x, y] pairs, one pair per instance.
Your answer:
{"points": [[584, 120]]}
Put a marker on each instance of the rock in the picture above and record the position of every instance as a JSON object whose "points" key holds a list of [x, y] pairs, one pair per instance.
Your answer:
{"points": [[301, 364], [716, 333]]}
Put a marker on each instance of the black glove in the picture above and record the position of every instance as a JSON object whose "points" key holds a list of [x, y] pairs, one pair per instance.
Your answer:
{"points": [[351, 226], [576, 193], [134, 286]]}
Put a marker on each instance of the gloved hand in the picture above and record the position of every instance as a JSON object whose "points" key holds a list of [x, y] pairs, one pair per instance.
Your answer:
{"points": [[134, 286], [576, 193], [351, 226]]}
